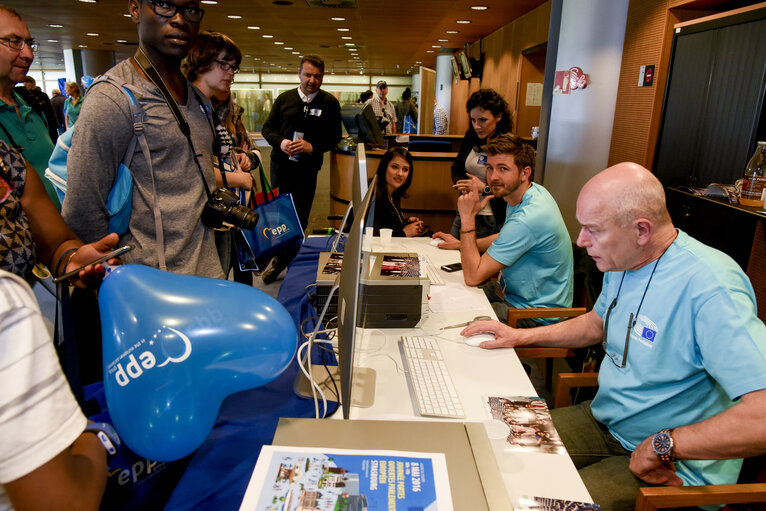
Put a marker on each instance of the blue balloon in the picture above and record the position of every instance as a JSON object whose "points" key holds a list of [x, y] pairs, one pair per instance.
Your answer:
{"points": [[175, 346]]}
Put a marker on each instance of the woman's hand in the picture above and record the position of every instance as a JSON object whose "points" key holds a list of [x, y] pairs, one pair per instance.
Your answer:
{"points": [[414, 228], [243, 160]]}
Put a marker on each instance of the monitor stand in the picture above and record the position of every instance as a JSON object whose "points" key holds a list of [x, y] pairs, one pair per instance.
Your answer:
{"points": [[362, 389]]}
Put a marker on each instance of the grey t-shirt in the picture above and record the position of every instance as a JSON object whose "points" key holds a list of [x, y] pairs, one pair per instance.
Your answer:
{"points": [[104, 130]]}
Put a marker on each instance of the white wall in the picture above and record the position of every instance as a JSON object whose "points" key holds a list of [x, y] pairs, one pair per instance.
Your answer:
{"points": [[580, 129]]}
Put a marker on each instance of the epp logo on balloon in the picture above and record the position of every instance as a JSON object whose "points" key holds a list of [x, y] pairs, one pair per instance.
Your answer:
{"points": [[275, 232], [146, 360]]}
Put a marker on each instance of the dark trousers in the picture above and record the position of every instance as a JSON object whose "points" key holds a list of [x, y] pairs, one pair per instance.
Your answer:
{"points": [[301, 183]]}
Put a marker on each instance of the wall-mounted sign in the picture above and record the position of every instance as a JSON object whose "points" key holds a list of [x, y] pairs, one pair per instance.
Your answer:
{"points": [[646, 76], [573, 78]]}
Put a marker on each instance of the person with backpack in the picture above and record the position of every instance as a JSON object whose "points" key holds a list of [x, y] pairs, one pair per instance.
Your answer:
{"points": [[170, 187], [20, 125]]}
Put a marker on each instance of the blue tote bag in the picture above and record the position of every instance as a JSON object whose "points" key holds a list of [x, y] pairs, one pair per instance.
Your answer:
{"points": [[278, 229]]}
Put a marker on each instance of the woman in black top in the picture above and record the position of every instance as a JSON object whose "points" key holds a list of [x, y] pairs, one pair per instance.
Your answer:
{"points": [[394, 178], [490, 116]]}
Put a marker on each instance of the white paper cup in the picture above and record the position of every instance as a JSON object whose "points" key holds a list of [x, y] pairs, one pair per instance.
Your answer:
{"points": [[368, 234], [385, 236]]}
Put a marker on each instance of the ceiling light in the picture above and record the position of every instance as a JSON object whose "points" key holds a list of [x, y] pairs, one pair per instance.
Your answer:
{"points": [[55, 25], [338, 19], [463, 22], [92, 34], [346, 37], [479, 7], [53, 40], [88, 1], [344, 30], [451, 31], [253, 27], [209, 2], [349, 44], [429, 51], [268, 36], [288, 47], [81, 46], [122, 41], [418, 62], [278, 42], [436, 46], [126, 15], [443, 40], [296, 53], [238, 17]]}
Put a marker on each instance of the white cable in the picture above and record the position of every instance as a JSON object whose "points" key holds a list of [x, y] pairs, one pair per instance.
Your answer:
{"points": [[310, 342], [314, 386]]}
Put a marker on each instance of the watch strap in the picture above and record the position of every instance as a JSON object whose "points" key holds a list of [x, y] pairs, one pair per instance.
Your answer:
{"points": [[106, 434], [664, 455]]}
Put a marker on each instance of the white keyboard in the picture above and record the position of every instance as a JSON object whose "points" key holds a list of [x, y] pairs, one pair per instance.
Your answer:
{"points": [[430, 383], [431, 271]]}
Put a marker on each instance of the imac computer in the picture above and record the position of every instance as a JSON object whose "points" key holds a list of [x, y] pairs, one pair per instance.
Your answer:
{"points": [[358, 191]]}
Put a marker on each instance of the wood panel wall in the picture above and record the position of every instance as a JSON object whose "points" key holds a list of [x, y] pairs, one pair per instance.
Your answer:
{"points": [[501, 51]]}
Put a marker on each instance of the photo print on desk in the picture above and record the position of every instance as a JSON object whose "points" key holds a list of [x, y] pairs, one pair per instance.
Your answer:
{"points": [[400, 266], [530, 428], [527, 503], [333, 265]]}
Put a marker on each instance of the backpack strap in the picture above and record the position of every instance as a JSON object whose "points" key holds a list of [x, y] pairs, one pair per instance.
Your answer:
{"points": [[139, 137]]}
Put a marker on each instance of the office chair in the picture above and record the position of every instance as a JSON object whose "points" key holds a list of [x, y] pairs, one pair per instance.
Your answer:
{"points": [[749, 494]]}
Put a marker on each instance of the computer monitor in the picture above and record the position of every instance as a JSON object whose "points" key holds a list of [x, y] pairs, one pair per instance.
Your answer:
{"points": [[358, 191], [361, 124], [349, 304]]}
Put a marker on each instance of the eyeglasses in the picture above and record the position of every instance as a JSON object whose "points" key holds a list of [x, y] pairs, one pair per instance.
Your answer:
{"points": [[17, 43], [606, 333], [168, 10], [225, 66]]}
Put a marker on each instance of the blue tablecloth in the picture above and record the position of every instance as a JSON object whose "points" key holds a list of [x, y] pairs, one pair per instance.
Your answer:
{"points": [[217, 476]]}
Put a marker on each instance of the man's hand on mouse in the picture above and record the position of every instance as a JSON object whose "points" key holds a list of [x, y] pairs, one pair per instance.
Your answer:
{"points": [[505, 336]]}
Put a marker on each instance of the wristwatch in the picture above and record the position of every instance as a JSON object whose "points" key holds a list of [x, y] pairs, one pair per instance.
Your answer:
{"points": [[487, 190], [107, 435], [662, 443]]}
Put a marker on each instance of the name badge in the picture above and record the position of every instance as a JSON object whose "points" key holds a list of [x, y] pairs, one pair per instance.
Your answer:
{"points": [[316, 112], [482, 159]]}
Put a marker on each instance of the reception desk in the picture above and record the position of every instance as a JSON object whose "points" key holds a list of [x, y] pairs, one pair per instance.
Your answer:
{"points": [[431, 196]]}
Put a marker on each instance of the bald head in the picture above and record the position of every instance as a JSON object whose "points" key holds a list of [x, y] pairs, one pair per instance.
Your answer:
{"points": [[627, 191]]}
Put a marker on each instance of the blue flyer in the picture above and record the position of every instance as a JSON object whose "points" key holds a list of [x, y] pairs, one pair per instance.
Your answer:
{"points": [[295, 478]]}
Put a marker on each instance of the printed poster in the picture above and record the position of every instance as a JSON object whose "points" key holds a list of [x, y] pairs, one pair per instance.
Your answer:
{"points": [[530, 428], [527, 503], [301, 478]]}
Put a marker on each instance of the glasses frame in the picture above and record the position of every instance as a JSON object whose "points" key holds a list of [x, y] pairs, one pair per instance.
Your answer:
{"points": [[185, 11], [8, 41], [604, 337], [226, 67]]}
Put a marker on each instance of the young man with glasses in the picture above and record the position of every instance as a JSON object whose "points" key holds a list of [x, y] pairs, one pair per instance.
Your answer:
{"points": [[678, 323], [172, 189], [20, 126]]}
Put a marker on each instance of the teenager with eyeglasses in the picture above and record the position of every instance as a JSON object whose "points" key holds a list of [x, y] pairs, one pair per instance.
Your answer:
{"points": [[166, 33], [21, 126], [681, 398]]}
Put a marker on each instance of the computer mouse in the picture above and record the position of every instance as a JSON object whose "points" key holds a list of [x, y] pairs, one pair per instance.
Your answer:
{"points": [[477, 339], [436, 242]]}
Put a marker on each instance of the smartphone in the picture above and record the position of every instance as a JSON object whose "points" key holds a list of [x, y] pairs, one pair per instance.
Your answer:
{"points": [[449, 268], [113, 253]]}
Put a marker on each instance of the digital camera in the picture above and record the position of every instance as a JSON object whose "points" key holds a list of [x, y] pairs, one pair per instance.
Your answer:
{"points": [[223, 206]]}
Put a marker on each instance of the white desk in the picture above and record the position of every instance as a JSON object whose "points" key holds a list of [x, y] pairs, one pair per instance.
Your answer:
{"points": [[476, 372]]}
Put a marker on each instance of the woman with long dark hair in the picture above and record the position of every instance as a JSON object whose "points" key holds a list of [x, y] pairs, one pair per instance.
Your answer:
{"points": [[490, 116], [394, 178]]}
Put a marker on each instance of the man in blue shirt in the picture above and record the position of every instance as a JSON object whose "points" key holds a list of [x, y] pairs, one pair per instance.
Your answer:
{"points": [[532, 250], [682, 393]]}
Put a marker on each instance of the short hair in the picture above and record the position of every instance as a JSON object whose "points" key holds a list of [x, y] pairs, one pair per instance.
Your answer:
{"points": [[489, 99], [55, 92], [205, 51], [11, 11], [29, 79], [72, 86], [508, 143], [642, 199], [383, 166], [314, 60], [406, 94], [364, 96]]}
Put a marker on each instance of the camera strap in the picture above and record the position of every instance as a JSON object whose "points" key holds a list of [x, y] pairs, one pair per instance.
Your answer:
{"points": [[153, 75]]}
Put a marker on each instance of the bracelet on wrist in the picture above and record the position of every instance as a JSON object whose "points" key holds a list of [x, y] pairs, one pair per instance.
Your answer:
{"points": [[71, 253], [467, 231]]}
